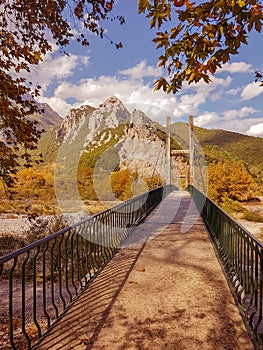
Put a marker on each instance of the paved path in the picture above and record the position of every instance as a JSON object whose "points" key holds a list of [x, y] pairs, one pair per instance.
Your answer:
{"points": [[164, 290]]}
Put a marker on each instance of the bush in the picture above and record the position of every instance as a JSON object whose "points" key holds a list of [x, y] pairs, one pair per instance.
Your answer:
{"points": [[40, 227], [253, 216], [10, 243], [231, 206], [44, 226]]}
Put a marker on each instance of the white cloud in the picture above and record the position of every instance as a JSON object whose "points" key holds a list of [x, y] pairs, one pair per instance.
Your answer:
{"points": [[141, 70], [236, 67], [55, 68], [58, 104], [206, 119], [256, 130], [132, 91], [238, 113], [222, 82], [234, 92], [207, 88], [135, 92], [251, 90]]}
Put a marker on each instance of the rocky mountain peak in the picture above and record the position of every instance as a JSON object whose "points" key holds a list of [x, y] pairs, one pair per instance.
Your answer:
{"points": [[113, 112], [111, 100], [141, 126], [74, 119], [138, 117], [91, 121]]}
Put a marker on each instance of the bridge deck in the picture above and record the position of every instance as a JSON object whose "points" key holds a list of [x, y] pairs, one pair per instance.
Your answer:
{"points": [[164, 290]]}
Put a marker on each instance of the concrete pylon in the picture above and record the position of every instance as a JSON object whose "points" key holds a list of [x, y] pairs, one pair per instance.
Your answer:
{"points": [[191, 150], [168, 152]]}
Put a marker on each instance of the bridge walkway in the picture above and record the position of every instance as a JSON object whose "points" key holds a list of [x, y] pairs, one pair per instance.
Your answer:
{"points": [[165, 289]]}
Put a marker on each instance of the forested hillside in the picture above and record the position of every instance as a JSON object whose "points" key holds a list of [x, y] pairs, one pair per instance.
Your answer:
{"points": [[247, 148]]}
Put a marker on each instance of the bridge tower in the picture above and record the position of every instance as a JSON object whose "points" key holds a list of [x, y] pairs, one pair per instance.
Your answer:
{"points": [[191, 149], [171, 155], [168, 152]]}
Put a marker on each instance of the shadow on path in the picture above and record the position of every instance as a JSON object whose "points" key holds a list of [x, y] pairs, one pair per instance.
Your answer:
{"points": [[80, 325]]}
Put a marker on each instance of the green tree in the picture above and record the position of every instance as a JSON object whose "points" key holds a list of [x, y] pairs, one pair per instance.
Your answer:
{"points": [[198, 37], [26, 29]]}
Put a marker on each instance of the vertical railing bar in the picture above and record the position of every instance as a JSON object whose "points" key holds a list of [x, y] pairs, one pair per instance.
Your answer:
{"points": [[104, 237], [89, 249], [72, 237], [77, 258], [66, 265], [10, 315], [34, 268], [52, 278], [249, 291], [23, 297], [92, 245], [260, 292], [59, 272], [82, 257], [44, 283], [101, 248], [256, 279]]}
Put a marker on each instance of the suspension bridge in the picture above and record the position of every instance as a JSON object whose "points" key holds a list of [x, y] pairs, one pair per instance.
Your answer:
{"points": [[165, 269]]}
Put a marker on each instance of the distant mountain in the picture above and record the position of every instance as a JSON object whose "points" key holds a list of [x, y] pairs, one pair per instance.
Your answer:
{"points": [[89, 135], [244, 147], [48, 118], [247, 148]]}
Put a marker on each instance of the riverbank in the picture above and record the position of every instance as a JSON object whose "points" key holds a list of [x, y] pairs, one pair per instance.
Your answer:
{"points": [[19, 225]]}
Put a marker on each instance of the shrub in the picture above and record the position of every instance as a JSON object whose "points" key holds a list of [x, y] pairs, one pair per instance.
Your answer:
{"points": [[231, 206], [9, 243], [253, 216]]}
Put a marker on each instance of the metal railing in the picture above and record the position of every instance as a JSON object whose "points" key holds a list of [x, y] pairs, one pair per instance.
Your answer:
{"points": [[242, 257], [42, 279]]}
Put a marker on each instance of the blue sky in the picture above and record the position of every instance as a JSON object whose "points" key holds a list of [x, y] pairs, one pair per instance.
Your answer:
{"points": [[92, 74]]}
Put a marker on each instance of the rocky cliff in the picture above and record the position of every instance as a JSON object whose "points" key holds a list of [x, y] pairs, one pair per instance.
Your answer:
{"points": [[112, 138]]}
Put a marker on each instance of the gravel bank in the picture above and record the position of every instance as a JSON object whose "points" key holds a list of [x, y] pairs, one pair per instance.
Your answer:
{"points": [[18, 225]]}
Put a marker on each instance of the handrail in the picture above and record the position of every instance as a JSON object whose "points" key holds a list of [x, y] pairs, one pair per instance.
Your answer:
{"points": [[42, 279], [242, 257]]}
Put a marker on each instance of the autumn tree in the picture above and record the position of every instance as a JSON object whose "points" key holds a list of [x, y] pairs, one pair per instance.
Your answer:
{"points": [[27, 28], [230, 180], [121, 183], [198, 37]]}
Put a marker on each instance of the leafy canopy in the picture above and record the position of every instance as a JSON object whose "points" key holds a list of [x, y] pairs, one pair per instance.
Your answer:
{"points": [[26, 30], [198, 37]]}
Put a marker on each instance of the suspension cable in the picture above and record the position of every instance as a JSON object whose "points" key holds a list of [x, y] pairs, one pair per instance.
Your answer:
{"points": [[155, 166]]}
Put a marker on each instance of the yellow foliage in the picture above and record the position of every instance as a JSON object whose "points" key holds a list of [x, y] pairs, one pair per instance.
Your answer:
{"points": [[121, 182], [229, 180]]}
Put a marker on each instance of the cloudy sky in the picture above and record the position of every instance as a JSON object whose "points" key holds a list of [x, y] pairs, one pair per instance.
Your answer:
{"points": [[90, 75]]}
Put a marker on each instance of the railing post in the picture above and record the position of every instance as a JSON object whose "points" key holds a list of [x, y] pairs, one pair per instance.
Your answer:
{"points": [[168, 151]]}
